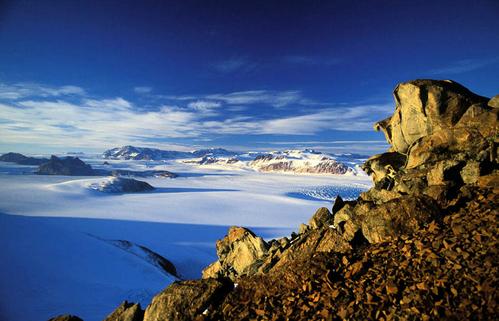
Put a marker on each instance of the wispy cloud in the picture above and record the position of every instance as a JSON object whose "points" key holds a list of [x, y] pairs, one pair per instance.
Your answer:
{"points": [[312, 60], [465, 65], [24, 90], [235, 64], [272, 98], [102, 122], [142, 89]]}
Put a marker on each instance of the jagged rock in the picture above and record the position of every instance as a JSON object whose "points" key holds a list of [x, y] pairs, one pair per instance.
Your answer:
{"points": [[494, 102], [236, 252], [66, 317], [126, 312], [338, 204], [322, 217], [303, 228], [423, 107], [71, 166], [187, 300]]}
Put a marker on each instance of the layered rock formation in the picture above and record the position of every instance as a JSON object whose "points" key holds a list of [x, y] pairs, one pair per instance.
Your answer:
{"points": [[420, 245]]}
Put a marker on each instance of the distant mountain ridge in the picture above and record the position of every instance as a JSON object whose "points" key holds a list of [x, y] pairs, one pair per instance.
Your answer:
{"points": [[145, 153], [306, 161]]}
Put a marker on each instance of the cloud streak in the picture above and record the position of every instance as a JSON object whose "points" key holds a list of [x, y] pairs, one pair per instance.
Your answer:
{"points": [[54, 120], [24, 90], [465, 65]]}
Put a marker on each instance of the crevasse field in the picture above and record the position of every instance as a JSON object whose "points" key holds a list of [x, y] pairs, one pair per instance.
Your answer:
{"points": [[57, 234]]}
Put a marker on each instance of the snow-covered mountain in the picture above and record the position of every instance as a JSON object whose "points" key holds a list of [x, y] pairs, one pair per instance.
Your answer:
{"points": [[144, 153], [294, 161], [299, 162]]}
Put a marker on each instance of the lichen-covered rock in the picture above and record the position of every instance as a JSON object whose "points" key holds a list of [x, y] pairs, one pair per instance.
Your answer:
{"points": [[126, 312], [423, 107], [186, 300]]}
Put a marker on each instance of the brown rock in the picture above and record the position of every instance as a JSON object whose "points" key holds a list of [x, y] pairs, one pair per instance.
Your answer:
{"points": [[494, 102], [322, 217], [236, 253], [425, 106], [383, 167], [126, 312], [441, 172], [186, 300], [402, 216], [470, 172]]}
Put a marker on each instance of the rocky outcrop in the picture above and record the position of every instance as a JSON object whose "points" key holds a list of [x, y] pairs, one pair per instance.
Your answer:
{"points": [[424, 107], [21, 159], [126, 312], [71, 166], [237, 252], [187, 300]]}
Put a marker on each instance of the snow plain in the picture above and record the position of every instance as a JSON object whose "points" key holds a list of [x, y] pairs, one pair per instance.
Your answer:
{"points": [[53, 230]]}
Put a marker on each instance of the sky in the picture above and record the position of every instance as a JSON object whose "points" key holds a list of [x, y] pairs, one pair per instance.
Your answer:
{"points": [[92, 75]]}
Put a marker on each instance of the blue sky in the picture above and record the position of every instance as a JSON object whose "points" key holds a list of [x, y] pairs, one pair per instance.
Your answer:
{"points": [[91, 75]]}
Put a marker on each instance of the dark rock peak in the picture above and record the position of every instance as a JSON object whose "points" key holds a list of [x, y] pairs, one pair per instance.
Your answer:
{"points": [[22, 159], [71, 166]]}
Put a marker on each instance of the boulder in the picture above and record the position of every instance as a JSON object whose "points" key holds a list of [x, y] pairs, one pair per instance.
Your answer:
{"points": [[236, 252], [126, 312], [423, 107], [187, 300], [380, 222]]}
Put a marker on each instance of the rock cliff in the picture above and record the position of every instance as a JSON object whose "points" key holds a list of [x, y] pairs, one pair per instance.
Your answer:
{"points": [[420, 245]]}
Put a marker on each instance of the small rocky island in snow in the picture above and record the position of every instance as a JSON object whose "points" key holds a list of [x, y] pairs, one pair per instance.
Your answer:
{"points": [[121, 185]]}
